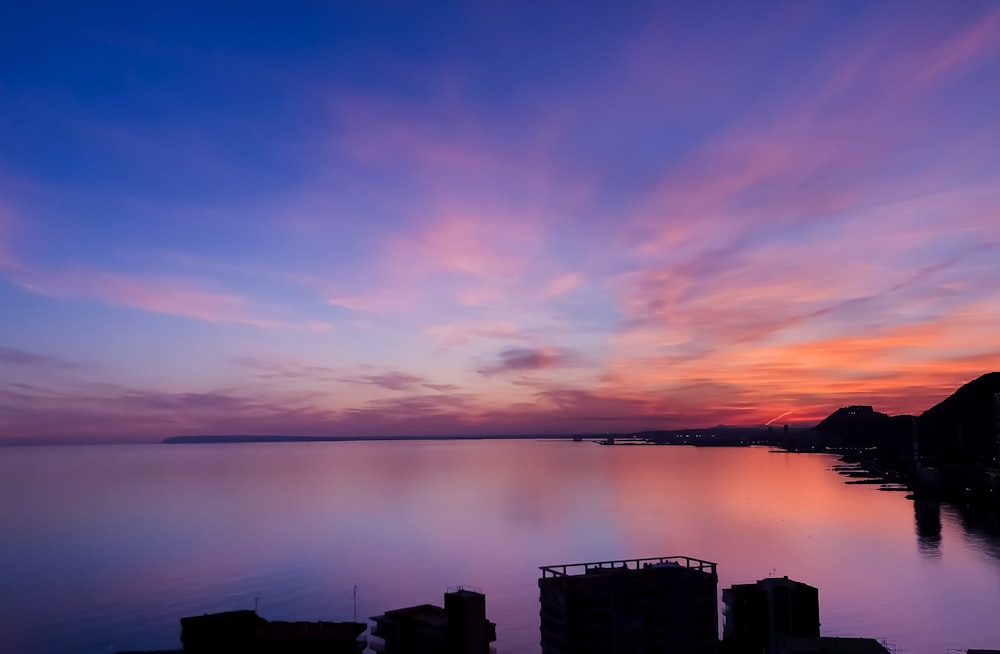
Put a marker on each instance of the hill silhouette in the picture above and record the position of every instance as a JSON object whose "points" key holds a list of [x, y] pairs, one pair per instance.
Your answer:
{"points": [[963, 426]]}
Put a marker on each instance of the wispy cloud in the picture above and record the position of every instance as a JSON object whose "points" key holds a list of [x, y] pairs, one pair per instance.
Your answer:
{"points": [[518, 359], [325, 376], [6, 236], [393, 381], [13, 356], [166, 295]]}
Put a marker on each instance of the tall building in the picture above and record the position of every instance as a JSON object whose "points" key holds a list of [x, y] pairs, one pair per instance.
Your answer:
{"points": [[758, 616], [460, 627], [667, 605]]}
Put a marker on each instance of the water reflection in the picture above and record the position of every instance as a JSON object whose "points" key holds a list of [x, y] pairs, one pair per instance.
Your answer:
{"points": [[981, 527], [928, 518], [111, 545]]}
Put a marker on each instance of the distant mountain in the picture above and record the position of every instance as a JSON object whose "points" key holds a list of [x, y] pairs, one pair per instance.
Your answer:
{"points": [[963, 426]]}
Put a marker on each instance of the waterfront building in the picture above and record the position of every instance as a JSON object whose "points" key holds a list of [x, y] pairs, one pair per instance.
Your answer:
{"points": [[667, 605], [460, 627], [759, 615]]}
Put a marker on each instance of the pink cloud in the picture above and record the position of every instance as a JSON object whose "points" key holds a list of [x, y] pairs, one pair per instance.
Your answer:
{"points": [[561, 285], [157, 295], [460, 255], [967, 49], [840, 147], [451, 335], [166, 295], [464, 240]]}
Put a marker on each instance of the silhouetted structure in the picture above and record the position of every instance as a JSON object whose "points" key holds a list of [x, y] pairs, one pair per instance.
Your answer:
{"points": [[996, 426], [758, 615], [460, 627], [667, 605], [245, 632], [827, 645]]}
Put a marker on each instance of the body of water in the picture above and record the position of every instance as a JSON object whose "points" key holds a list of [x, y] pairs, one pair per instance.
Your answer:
{"points": [[105, 548]]}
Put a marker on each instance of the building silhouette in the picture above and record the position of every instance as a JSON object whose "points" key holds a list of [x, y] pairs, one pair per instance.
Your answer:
{"points": [[460, 627], [758, 616], [667, 605], [245, 632]]}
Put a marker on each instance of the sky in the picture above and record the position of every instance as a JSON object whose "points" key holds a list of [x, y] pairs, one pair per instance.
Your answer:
{"points": [[374, 218]]}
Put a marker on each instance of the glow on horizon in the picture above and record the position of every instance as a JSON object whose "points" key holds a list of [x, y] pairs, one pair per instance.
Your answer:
{"points": [[376, 221]]}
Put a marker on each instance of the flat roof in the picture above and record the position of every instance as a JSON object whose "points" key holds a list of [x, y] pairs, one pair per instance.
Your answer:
{"points": [[426, 613], [465, 592], [829, 645], [773, 581], [573, 569], [329, 630]]}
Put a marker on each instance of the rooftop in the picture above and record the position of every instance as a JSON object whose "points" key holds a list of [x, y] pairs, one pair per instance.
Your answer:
{"points": [[425, 613], [773, 581], [828, 645], [465, 591], [572, 569], [324, 630]]}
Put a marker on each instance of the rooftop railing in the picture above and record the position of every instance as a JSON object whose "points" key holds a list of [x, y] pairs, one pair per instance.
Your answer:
{"points": [[571, 569]]}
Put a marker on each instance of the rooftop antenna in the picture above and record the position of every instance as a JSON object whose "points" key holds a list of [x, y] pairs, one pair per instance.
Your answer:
{"points": [[256, 603], [355, 602]]}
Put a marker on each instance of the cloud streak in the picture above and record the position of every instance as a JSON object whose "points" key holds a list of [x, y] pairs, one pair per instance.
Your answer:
{"points": [[519, 359], [16, 357]]}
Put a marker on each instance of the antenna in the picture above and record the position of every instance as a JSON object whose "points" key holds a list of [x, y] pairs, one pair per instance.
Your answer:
{"points": [[355, 602], [256, 603]]}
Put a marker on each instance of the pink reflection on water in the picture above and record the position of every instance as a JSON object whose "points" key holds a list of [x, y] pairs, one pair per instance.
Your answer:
{"points": [[125, 540]]}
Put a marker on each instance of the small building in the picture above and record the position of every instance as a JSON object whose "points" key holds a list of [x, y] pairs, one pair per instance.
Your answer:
{"points": [[246, 632], [460, 627], [666, 604], [758, 615]]}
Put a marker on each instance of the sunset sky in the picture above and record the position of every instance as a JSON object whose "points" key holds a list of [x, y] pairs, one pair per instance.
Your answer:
{"points": [[375, 218]]}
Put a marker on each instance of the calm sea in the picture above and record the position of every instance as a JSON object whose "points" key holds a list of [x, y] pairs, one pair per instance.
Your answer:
{"points": [[104, 548]]}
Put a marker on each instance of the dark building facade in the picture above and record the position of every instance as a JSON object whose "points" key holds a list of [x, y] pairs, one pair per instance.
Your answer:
{"points": [[758, 616], [460, 627], [245, 632], [667, 605]]}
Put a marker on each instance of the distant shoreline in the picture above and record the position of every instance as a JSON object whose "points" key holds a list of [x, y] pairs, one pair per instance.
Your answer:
{"points": [[194, 440], [720, 435]]}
